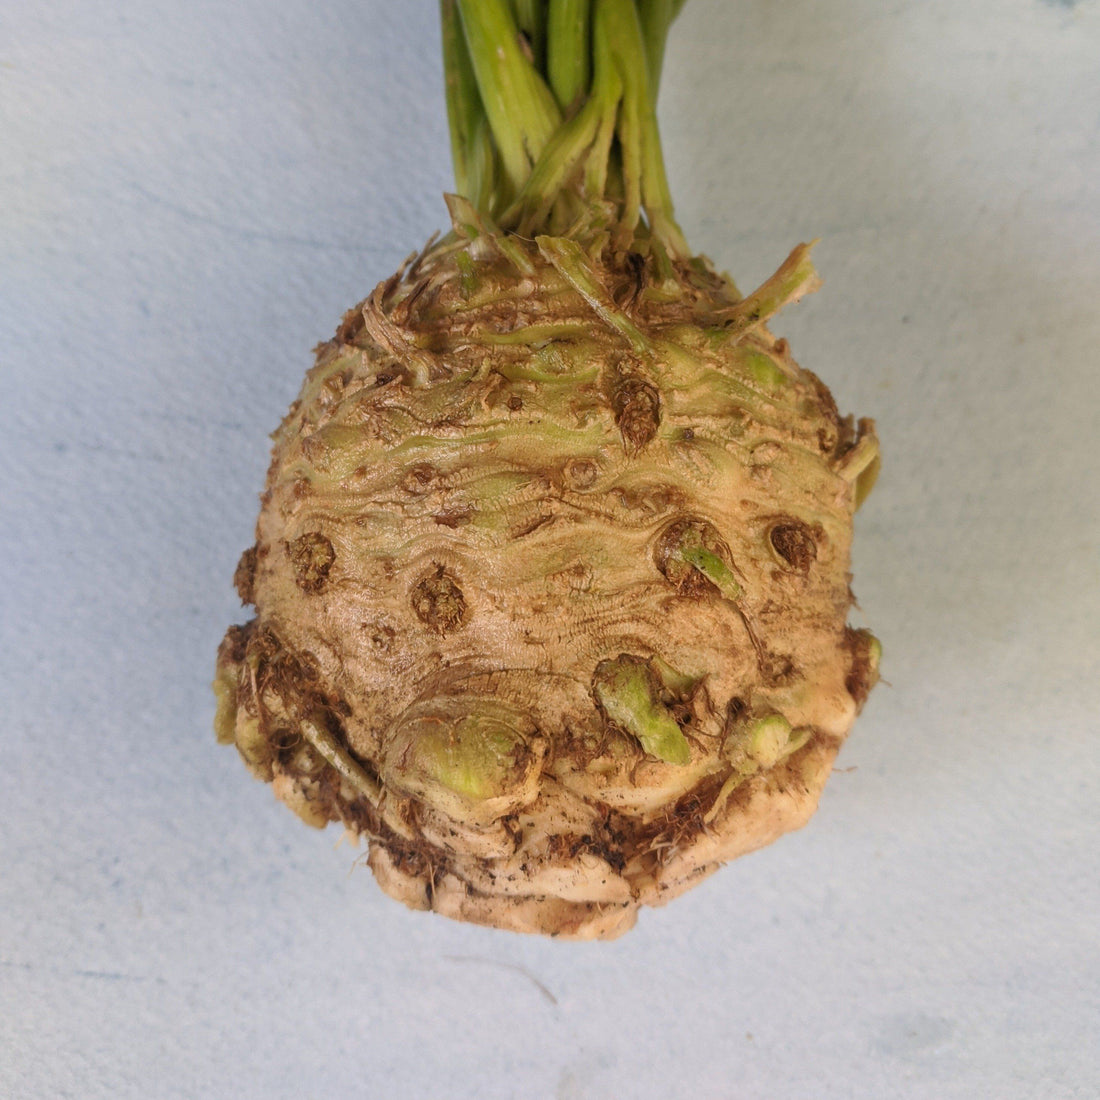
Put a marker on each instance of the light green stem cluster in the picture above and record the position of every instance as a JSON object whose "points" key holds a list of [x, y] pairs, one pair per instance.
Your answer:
{"points": [[552, 111]]}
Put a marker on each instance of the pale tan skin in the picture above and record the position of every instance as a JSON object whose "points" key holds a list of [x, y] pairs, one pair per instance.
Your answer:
{"points": [[465, 538]]}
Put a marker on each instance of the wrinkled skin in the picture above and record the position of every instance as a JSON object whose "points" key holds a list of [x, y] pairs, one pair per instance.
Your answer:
{"points": [[551, 581]]}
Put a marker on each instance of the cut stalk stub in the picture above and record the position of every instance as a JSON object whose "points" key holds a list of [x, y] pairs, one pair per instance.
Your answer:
{"points": [[629, 693], [693, 556]]}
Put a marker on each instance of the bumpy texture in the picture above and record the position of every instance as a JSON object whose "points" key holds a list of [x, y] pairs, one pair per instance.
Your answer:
{"points": [[551, 581]]}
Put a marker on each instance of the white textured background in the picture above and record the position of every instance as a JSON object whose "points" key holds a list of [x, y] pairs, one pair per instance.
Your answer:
{"points": [[191, 193]]}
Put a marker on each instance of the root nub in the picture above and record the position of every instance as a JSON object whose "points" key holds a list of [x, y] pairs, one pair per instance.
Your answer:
{"points": [[439, 602], [244, 577], [637, 408], [312, 556], [863, 673], [794, 543]]}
